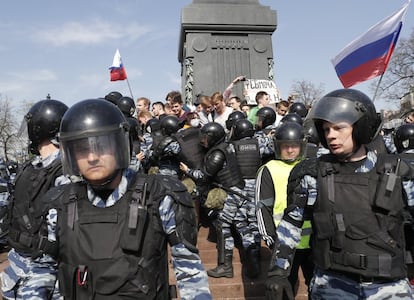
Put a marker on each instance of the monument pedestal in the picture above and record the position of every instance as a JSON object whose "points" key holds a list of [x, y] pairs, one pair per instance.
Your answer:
{"points": [[221, 40]]}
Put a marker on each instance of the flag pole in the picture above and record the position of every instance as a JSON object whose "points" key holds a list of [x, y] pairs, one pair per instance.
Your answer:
{"points": [[376, 89], [130, 90]]}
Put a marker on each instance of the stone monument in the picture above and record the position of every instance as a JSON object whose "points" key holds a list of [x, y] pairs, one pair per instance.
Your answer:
{"points": [[222, 39]]}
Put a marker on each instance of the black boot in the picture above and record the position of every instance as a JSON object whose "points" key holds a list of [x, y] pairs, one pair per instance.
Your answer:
{"points": [[223, 269], [253, 266]]}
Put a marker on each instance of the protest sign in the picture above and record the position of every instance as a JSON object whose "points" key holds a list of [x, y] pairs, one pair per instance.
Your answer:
{"points": [[252, 86]]}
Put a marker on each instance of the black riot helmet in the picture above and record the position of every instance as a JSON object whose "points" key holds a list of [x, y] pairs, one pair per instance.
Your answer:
{"points": [[290, 133], [169, 125], [265, 116], [152, 125], [350, 106], [43, 121], [299, 108], [241, 129], [127, 106], [94, 126], [211, 134], [233, 117], [310, 132], [292, 117], [113, 97], [404, 137]]}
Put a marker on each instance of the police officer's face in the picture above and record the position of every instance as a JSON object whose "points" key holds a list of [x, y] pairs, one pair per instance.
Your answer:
{"points": [[289, 151], [96, 160], [339, 138]]}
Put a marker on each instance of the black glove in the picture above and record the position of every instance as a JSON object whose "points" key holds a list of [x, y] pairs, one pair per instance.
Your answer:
{"points": [[278, 288]]}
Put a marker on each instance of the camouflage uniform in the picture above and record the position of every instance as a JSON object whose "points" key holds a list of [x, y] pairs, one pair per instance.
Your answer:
{"points": [[145, 146], [240, 212], [265, 143]]}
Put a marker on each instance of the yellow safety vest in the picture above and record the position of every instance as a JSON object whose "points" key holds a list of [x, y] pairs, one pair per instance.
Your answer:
{"points": [[279, 171]]}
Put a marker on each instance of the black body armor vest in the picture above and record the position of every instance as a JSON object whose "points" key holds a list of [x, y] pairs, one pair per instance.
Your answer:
{"points": [[28, 230], [121, 250], [230, 174], [248, 157], [358, 219]]}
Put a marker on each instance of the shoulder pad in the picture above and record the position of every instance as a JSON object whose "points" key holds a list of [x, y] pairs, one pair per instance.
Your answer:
{"points": [[174, 188], [162, 144], [308, 166]]}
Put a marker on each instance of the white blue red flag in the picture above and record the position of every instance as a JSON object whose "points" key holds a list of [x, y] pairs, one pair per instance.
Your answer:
{"points": [[368, 55], [117, 69]]}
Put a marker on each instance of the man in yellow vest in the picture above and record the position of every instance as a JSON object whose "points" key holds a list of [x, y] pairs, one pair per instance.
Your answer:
{"points": [[271, 195]]}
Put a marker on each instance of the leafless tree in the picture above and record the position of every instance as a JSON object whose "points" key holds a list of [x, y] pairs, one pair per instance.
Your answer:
{"points": [[398, 79], [307, 92], [12, 143]]}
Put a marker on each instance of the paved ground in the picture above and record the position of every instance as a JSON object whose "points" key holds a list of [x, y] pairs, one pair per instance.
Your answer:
{"points": [[240, 286]]}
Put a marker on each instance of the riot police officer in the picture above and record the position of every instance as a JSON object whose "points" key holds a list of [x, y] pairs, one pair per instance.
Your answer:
{"points": [[403, 138], [355, 199], [232, 118], [265, 119], [127, 106], [113, 97], [32, 271], [299, 108], [113, 225], [292, 117], [271, 197], [166, 149], [220, 170], [242, 213]]}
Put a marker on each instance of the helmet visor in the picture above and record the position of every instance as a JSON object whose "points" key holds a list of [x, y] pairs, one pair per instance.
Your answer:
{"points": [[95, 148], [336, 110]]}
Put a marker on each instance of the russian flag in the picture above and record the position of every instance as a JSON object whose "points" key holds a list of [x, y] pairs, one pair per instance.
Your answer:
{"points": [[368, 55], [117, 69]]}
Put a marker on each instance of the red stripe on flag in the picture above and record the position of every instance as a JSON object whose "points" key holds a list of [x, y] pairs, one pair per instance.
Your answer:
{"points": [[118, 74], [364, 72]]}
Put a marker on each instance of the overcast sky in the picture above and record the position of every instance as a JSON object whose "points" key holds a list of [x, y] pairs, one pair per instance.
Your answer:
{"points": [[65, 47]]}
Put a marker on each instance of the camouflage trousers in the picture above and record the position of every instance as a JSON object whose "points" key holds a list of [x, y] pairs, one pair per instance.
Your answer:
{"points": [[240, 212], [332, 286], [31, 279]]}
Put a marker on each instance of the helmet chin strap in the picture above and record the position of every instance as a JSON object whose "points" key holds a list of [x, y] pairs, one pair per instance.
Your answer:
{"points": [[346, 157]]}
